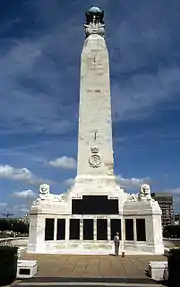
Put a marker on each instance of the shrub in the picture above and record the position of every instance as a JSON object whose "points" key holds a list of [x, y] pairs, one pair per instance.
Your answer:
{"points": [[172, 231], [9, 224], [8, 264], [5, 224], [20, 227], [173, 267]]}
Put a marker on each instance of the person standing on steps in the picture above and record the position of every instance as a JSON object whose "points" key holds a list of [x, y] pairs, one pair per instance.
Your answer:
{"points": [[116, 243]]}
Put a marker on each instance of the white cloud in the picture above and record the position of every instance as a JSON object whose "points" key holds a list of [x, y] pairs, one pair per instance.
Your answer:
{"points": [[175, 191], [7, 171], [23, 210], [3, 204], [131, 183], [22, 174], [25, 194], [64, 162], [69, 182], [20, 208]]}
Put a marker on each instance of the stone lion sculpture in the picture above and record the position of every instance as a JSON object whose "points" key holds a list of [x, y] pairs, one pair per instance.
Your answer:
{"points": [[145, 193], [44, 191], [44, 194]]}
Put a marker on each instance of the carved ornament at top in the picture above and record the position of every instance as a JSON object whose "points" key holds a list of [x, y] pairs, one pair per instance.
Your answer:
{"points": [[94, 22], [94, 159], [94, 149]]}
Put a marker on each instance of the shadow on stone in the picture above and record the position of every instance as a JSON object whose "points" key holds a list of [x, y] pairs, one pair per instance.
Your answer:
{"points": [[164, 283], [112, 254], [147, 273]]}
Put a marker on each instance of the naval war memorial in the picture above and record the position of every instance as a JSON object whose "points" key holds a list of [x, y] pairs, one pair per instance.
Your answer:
{"points": [[84, 219]]}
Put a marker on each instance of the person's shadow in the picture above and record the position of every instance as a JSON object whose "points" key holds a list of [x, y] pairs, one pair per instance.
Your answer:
{"points": [[112, 254]]}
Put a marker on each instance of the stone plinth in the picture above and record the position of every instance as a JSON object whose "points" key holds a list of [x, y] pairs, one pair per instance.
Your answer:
{"points": [[26, 268], [146, 212]]}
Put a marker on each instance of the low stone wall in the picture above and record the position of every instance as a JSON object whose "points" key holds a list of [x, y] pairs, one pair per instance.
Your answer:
{"points": [[23, 241], [20, 242], [15, 241], [6, 239], [171, 242]]}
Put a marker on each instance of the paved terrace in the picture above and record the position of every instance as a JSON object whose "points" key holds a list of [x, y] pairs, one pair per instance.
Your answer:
{"points": [[104, 266]]}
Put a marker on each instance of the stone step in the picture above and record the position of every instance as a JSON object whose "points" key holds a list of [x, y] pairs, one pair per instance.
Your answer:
{"points": [[87, 282]]}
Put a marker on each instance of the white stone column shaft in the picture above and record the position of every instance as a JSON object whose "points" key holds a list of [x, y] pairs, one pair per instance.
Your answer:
{"points": [[122, 233], [109, 229], [67, 225], [95, 229], [95, 123], [55, 229], [81, 229], [134, 229]]}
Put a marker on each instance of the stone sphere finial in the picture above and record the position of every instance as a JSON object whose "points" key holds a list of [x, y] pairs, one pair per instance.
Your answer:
{"points": [[94, 9]]}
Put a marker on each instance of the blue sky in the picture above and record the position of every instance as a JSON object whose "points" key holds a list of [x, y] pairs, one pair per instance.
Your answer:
{"points": [[41, 43]]}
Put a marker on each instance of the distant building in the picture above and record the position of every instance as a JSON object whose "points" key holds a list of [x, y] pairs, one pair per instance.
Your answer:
{"points": [[165, 201]]}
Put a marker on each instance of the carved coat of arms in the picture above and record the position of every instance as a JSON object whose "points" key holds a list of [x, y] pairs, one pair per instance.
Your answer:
{"points": [[95, 159]]}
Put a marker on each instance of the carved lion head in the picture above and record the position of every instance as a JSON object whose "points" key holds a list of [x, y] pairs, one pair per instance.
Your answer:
{"points": [[145, 189], [44, 188]]}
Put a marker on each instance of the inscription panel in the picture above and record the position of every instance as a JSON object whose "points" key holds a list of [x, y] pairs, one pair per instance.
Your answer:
{"points": [[49, 229], [141, 229], [60, 229], [115, 227], [95, 205], [129, 230], [101, 229], [88, 232], [74, 229]]}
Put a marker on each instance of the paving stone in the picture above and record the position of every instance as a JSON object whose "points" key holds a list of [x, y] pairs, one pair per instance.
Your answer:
{"points": [[92, 266]]}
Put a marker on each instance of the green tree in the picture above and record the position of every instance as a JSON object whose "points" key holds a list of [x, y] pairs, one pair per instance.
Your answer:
{"points": [[5, 224], [20, 227]]}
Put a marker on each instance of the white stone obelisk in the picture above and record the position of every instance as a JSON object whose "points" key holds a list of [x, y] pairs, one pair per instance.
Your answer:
{"points": [[95, 149]]}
